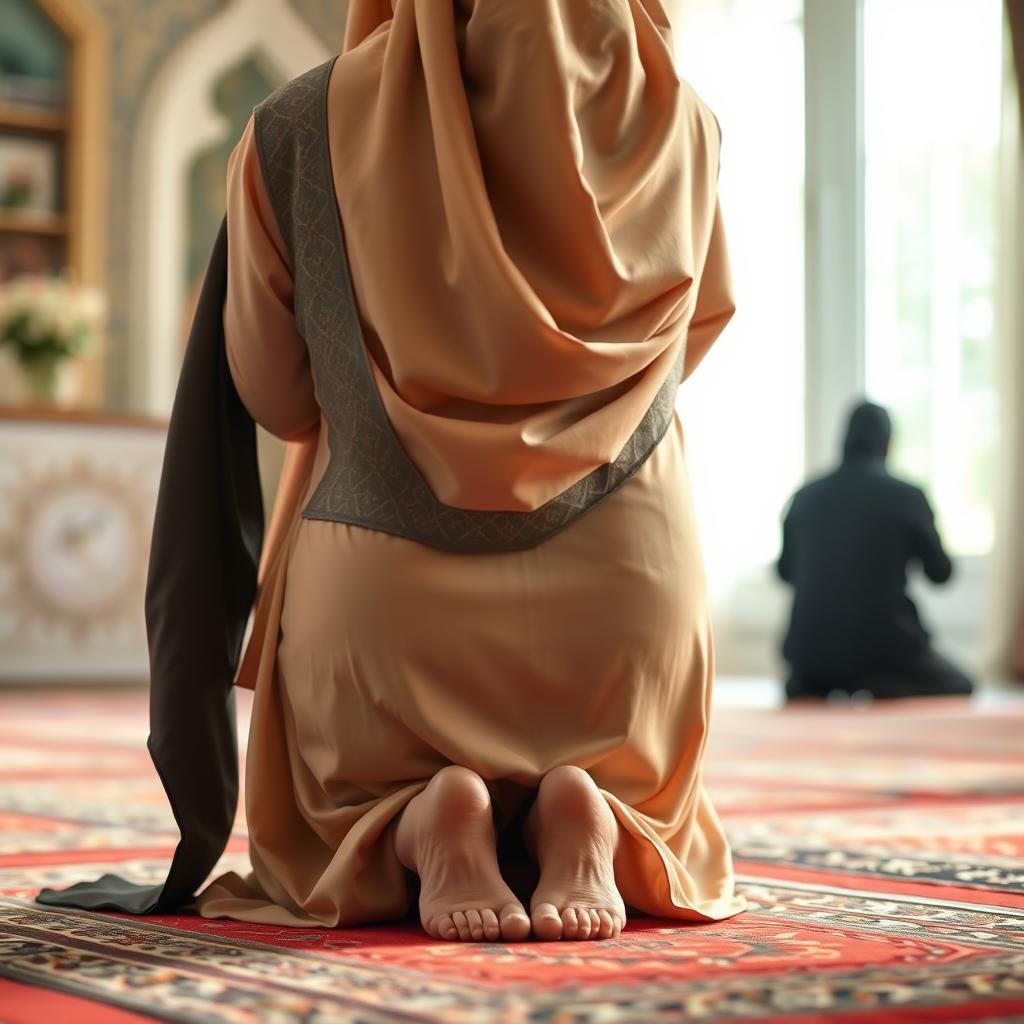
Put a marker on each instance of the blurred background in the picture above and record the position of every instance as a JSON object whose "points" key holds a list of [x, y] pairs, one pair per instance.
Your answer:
{"points": [[872, 188]]}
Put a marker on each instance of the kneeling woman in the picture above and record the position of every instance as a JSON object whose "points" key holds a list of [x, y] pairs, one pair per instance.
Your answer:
{"points": [[470, 260]]}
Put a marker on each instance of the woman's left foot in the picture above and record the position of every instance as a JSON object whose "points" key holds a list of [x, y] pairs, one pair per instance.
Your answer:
{"points": [[446, 835], [574, 834]]}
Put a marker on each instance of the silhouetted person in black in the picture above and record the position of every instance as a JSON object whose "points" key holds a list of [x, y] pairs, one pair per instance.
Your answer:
{"points": [[847, 541]]}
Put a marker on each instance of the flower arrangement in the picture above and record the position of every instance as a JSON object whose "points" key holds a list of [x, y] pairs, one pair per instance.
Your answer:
{"points": [[45, 320]]}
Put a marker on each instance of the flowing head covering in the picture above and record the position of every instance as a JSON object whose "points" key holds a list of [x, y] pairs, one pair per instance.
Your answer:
{"points": [[528, 192], [868, 432]]}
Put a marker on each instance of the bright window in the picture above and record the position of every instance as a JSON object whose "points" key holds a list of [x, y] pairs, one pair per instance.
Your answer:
{"points": [[932, 87], [743, 409]]}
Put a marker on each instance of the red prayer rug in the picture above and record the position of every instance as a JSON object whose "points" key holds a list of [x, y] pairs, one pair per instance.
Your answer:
{"points": [[881, 850]]}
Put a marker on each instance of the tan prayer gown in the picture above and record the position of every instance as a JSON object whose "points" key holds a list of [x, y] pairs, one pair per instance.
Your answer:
{"points": [[377, 660]]}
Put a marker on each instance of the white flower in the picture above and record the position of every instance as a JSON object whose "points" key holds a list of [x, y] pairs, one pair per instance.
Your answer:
{"points": [[91, 304], [50, 309]]}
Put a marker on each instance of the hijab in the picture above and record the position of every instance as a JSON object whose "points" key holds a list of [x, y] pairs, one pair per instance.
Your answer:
{"points": [[528, 191]]}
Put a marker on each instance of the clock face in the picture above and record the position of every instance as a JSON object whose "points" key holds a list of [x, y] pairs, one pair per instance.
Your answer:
{"points": [[81, 548]]}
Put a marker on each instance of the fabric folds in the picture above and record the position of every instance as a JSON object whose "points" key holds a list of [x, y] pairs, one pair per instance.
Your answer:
{"points": [[207, 536], [529, 199]]}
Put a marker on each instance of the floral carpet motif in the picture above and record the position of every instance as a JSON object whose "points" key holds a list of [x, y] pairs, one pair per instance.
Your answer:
{"points": [[881, 851]]}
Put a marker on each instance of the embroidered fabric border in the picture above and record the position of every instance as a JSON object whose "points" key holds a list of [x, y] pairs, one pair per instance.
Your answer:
{"points": [[370, 480]]}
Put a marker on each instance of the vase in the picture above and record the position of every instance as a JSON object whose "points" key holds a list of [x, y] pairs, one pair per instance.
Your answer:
{"points": [[41, 379]]}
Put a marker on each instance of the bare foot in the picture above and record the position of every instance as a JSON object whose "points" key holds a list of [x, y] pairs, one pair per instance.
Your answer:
{"points": [[573, 834], [446, 835]]}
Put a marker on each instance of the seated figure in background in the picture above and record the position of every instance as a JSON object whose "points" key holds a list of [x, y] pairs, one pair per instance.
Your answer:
{"points": [[848, 539]]}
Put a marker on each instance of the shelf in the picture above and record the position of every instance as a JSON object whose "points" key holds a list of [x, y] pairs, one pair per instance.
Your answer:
{"points": [[24, 115], [15, 413], [27, 223]]}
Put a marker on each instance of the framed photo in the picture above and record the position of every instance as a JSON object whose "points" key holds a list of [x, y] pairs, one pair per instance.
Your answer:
{"points": [[29, 174]]}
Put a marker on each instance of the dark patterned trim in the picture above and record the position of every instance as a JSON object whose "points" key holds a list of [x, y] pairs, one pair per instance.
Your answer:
{"points": [[370, 479]]}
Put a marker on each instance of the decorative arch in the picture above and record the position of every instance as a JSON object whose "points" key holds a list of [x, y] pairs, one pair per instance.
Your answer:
{"points": [[177, 121]]}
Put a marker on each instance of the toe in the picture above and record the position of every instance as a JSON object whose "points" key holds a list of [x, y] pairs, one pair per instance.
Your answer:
{"points": [[489, 919], [444, 928], [570, 925], [595, 924], [583, 921], [547, 922], [607, 925], [514, 923], [462, 925], [476, 924]]}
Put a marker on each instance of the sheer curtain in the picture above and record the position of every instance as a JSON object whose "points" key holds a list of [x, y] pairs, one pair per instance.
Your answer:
{"points": [[743, 410], [1008, 579], [932, 168]]}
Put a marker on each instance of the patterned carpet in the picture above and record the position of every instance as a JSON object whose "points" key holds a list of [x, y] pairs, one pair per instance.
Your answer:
{"points": [[881, 850]]}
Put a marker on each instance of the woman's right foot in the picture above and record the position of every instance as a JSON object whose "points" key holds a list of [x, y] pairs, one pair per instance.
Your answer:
{"points": [[446, 835], [574, 834]]}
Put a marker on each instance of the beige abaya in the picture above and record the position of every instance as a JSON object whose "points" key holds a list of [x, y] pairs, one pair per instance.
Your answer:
{"points": [[520, 307]]}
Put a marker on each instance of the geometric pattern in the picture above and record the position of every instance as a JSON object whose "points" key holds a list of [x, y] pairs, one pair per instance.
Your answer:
{"points": [[880, 851]]}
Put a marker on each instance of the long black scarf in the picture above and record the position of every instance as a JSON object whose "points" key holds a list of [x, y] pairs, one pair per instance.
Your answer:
{"points": [[207, 537]]}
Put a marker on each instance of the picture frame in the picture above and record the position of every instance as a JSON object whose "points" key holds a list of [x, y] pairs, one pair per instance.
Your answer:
{"points": [[29, 174]]}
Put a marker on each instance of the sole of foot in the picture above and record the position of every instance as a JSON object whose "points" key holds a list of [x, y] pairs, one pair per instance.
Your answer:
{"points": [[446, 835], [574, 835]]}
